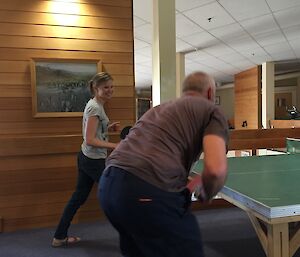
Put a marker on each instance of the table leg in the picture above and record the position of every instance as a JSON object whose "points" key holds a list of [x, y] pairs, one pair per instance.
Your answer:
{"points": [[260, 232], [274, 238], [278, 240]]}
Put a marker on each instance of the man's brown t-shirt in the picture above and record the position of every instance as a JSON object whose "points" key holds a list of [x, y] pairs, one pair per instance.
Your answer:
{"points": [[167, 139]]}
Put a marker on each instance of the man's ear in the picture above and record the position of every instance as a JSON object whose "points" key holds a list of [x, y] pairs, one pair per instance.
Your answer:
{"points": [[209, 93]]}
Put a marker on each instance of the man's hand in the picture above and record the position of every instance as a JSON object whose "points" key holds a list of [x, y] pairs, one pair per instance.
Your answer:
{"points": [[195, 186]]}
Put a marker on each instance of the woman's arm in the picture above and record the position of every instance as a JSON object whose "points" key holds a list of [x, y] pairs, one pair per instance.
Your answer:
{"points": [[114, 126], [91, 135]]}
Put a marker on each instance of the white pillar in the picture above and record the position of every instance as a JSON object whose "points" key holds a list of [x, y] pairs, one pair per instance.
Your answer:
{"points": [[267, 94], [298, 94], [180, 72], [164, 51]]}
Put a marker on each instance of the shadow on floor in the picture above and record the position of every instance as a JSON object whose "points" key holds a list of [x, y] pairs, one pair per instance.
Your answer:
{"points": [[225, 233]]}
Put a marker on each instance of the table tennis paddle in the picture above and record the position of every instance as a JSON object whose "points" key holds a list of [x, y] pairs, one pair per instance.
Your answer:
{"points": [[124, 132], [195, 186]]}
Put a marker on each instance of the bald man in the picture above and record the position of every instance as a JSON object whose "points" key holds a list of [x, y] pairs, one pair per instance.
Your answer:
{"points": [[145, 192]]}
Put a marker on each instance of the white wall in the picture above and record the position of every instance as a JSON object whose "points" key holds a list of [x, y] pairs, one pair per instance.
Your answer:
{"points": [[226, 94]]}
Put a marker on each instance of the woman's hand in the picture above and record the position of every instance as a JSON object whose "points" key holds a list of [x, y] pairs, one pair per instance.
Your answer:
{"points": [[114, 126]]}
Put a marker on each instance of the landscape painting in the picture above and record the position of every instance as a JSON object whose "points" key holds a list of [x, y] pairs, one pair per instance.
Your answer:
{"points": [[59, 87]]}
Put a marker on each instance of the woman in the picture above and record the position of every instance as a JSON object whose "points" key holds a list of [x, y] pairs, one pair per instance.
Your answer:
{"points": [[91, 158]]}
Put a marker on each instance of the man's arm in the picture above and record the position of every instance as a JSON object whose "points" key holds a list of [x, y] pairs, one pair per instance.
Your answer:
{"points": [[215, 164], [212, 179]]}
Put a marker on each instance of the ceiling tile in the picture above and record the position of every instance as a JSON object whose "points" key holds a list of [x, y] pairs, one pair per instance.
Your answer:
{"points": [[245, 43], [269, 38], [231, 58], [138, 44], [243, 65], [213, 62], [208, 69], [197, 56], [219, 73], [192, 66], [296, 46], [287, 55], [260, 24], [143, 9], [144, 32], [298, 54], [182, 46], [138, 22], [142, 80], [219, 17], [226, 68], [224, 78], [228, 32], [147, 63], [288, 17], [280, 47], [295, 43], [182, 5], [252, 53], [232, 43], [139, 58], [147, 51], [219, 49], [201, 40], [261, 59], [230, 70], [143, 68], [292, 32], [277, 5], [245, 9], [187, 70], [187, 61], [185, 27]]}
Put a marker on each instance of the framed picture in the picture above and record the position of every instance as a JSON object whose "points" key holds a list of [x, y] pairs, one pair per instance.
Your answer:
{"points": [[59, 86], [217, 100]]}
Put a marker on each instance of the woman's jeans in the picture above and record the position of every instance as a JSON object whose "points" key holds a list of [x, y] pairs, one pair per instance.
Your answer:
{"points": [[89, 172]]}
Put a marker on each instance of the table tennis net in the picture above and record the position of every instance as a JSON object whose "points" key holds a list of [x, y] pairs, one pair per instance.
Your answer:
{"points": [[293, 145]]}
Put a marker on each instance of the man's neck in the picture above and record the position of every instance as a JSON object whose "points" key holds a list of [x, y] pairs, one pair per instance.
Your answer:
{"points": [[192, 93]]}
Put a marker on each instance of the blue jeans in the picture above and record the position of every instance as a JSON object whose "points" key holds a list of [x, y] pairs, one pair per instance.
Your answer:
{"points": [[89, 172], [151, 222]]}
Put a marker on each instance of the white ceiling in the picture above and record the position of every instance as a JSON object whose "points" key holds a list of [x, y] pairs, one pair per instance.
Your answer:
{"points": [[240, 35]]}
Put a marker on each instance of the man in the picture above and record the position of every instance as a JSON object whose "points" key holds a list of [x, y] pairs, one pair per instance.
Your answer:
{"points": [[144, 191]]}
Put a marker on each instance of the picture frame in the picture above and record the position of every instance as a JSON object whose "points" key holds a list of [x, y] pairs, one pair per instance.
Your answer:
{"points": [[217, 100], [59, 86], [142, 106]]}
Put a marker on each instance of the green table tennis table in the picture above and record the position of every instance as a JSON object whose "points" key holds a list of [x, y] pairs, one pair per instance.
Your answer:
{"points": [[268, 189]]}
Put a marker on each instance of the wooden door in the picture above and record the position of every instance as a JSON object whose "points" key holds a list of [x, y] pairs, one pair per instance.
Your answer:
{"points": [[282, 102]]}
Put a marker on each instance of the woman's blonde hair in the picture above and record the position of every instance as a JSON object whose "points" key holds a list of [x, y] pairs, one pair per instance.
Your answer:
{"points": [[97, 80]]}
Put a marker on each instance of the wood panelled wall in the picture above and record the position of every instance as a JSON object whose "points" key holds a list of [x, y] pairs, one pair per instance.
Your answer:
{"points": [[38, 155], [247, 99]]}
